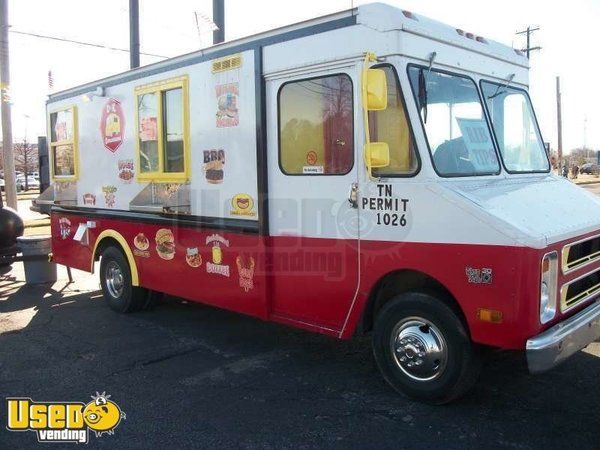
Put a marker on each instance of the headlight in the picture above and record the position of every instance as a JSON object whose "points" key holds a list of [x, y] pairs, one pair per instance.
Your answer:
{"points": [[548, 284]]}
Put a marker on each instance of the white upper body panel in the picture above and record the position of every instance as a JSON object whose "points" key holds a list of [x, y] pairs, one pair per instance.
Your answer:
{"points": [[516, 210]]}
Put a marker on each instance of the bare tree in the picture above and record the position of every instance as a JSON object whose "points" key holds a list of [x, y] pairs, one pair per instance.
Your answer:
{"points": [[26, 159]]}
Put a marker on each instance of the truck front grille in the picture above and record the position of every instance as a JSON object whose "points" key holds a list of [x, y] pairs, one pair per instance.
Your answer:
{"points": [[579, 290], [579, 254]]}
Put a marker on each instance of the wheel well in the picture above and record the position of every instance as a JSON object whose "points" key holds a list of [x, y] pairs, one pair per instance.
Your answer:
{"points": [[113, 238], [104, 244], [401, 281]]}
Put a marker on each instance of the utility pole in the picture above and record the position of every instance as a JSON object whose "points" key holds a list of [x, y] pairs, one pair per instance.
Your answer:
{"points": [[219, 21], [559, 121], [585, 138], [25, 152], [7, 140], [528, 32], [134, 34]]}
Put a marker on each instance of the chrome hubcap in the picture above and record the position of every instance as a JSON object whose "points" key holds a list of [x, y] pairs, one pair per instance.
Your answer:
{"points": [[114, 279], [419, 349]]}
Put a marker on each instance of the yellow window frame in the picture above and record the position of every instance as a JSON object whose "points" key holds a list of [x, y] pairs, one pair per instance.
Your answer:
{"points": [[74, 142], [158, 88]]}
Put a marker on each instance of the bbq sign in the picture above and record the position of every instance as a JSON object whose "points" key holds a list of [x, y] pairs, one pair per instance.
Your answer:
{"points": [[112, 125]]}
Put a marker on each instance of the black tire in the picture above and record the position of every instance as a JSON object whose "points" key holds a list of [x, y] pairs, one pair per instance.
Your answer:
{"points": [[445, 376], [121, 296]]}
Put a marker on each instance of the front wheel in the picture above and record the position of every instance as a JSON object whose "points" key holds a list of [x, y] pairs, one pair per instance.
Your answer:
{"points": [[423, 350], [115, 279]]}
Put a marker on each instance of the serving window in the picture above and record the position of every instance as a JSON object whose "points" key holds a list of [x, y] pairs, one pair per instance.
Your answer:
{"points": [[64, 144], [163, 131], [316, 126]]}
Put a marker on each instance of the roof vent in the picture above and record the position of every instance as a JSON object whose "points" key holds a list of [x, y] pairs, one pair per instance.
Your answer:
{"points": [[228, 63]]}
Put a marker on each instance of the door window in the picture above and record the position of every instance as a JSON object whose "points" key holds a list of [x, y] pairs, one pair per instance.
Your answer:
{"points": [[316, 126]]}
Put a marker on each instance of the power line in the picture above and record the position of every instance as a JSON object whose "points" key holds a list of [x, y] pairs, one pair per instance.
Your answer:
{"points": [[88, 44]]}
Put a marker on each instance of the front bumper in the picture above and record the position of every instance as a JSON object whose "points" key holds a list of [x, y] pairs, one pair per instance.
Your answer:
{"points": [[556, 344]]}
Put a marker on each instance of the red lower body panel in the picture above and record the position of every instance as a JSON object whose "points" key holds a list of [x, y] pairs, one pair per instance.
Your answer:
{"points": [[318, 284]]}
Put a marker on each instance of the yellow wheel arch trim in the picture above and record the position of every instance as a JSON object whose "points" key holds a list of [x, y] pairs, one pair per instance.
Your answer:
{"points": [[135, 281]]}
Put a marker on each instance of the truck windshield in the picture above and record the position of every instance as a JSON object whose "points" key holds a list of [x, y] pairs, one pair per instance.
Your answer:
{"points": [[516, 131], [453, 117]]}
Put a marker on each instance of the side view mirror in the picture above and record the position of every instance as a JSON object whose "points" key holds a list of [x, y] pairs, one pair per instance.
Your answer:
{"points": [[377, 154], [376, 86]]}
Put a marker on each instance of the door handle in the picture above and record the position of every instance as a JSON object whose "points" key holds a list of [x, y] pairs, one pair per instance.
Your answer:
{"points": [[353, 195]]}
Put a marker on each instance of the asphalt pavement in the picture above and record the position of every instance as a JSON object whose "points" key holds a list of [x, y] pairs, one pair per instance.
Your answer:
{"points": [[188, 375]]}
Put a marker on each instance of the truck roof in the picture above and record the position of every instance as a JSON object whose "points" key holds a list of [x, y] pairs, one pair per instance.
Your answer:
{"points": [[378, 16]]}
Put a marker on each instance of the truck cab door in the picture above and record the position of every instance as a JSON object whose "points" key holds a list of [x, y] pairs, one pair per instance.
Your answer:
{"points": [[313, 162]]}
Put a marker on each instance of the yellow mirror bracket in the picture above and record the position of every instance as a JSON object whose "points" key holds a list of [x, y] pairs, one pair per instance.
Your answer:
{"points": [[369, 57]]}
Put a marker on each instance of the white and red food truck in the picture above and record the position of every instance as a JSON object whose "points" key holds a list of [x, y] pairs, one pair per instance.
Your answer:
{"points": [[370, 170]]}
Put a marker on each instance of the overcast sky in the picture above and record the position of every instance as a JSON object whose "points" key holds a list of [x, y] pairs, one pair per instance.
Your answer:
{"points": [[567, 35]]}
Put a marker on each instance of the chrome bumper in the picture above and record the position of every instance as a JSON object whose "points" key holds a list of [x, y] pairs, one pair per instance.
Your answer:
{"points": [[556, 344]]}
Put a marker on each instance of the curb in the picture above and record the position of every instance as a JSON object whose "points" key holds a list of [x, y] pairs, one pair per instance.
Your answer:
{"points": [[587, 182], [38, 223]]}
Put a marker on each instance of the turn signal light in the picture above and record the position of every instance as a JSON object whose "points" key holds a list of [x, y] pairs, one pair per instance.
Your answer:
{"points": [[489, 315]]}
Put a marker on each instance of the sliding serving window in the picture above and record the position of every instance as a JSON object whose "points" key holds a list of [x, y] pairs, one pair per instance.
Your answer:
{"points": [[64, 144], [163, 131], [516, 129], [454, 121]]}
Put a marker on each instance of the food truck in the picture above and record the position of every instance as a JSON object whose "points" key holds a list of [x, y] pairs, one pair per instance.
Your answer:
{"points": [[369, 171]]}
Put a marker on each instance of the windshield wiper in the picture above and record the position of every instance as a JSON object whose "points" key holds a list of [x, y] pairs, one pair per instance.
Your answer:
{"points": [[502, 86]]}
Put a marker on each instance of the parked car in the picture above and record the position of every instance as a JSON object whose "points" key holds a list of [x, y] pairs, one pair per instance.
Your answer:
{"points": [[32, 183], [3, 183], [589, 168]]}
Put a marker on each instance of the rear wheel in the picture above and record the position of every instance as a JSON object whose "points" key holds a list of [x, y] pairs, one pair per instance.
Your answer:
{"points": [[115, 279], [423, 350]]}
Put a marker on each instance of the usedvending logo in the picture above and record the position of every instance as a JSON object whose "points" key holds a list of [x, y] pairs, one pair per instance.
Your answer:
{"points": [[67, 422]]}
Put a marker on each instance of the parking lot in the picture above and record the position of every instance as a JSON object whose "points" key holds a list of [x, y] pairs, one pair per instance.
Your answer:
{"points": [[190, 375]]}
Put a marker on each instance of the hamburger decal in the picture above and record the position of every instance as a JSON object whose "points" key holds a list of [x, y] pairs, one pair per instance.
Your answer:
{"points": [[214, 161], [165, 244]]}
